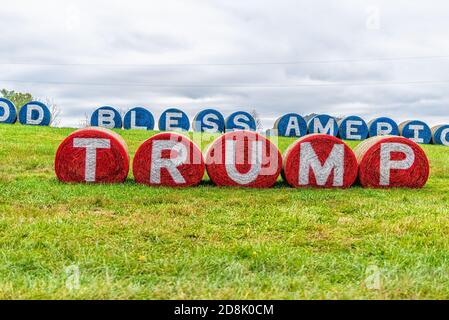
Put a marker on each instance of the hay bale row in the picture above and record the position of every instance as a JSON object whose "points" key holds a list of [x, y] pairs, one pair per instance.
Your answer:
{"points": [[319, 161], [391, 161], [95, 155]]}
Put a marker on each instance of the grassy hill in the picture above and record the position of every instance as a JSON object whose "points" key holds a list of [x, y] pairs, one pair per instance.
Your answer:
{"points": [[132, 241]]}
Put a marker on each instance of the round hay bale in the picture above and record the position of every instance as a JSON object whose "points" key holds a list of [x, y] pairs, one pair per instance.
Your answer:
{"points": [[416, 130], [291, 125], [391, 161], [240, 120], [243, 159], [168, 159], [352, 128], [209, 120], [383, 126], [319, 161], [35, 113], [324, 124], [174, 120], [440, 135], [94, 155], [106, 117], [138, 118], [8, 113]]}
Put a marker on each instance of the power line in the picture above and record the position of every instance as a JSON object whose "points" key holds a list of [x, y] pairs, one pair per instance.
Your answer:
{"points": [[242, 85], [171, 65]]}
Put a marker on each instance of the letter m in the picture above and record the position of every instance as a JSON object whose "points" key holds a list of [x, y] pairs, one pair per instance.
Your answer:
{"points": [[309, 161]]}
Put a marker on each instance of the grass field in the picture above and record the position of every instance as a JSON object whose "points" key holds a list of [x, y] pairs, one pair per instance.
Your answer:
{"points": [[136, 242]]}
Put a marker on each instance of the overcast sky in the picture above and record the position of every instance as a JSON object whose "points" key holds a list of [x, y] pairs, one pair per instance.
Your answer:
{"points": [[231, 55]]}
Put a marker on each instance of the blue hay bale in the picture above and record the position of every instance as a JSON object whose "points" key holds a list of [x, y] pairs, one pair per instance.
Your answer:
{"points": [[209, 120], [106, 117], [353, 128], [35, 113], [324, 124], [440, 135], [174, 120], [8, 113], [291, 125], [240, 120], [383, 126], [138, 118], [416, 131]]}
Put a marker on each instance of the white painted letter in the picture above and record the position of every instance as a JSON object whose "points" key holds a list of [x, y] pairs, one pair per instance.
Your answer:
{"points": [[255, 161], [6, 111], [91, 145], [238, 121], [40, 117], [443, 139], [351, 129], [171, 164], [386, 164], [209, 123], [416, 128], [133, 124], [106, 118], [293, 125], [172, 121], [309, 160], [318, 126], [384, 128]]}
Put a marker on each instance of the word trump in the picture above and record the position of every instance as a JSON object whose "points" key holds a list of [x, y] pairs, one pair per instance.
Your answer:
{"points": [[242, 159]]}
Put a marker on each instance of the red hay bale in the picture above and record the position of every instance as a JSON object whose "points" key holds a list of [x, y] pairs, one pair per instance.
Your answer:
{"points": [[392, 161], [244, 159], [95, 155], [168, 159], [319, 161]]}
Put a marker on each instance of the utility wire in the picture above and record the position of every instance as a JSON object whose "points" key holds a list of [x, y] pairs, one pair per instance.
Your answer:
{"points": [[171, 65], [242, 85]]}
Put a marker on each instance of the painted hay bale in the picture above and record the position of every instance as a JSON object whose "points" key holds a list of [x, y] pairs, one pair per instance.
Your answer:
{"points": [[352, 128], [209, 120], [291, 125], [383, 126], [168, 159], [139, 119], [240, 120], [106, 117], [35, 113], [391, 161], [319, 161], [94, 155], [323, 124], [416, 130], [243, 159], [174, 120], [440, 135], [8, 113]]}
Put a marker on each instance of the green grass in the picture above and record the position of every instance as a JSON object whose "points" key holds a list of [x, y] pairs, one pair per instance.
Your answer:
{"points": [[135, 242]]}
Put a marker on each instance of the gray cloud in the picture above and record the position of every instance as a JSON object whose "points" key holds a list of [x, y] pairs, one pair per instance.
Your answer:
{"points": [[104, 33]]}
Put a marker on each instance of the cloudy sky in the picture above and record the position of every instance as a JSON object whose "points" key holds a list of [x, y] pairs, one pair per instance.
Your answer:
{"points": [[343, 57]]}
